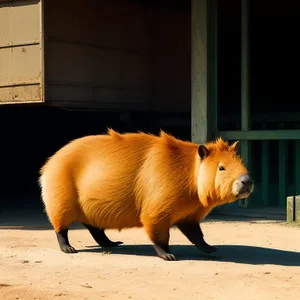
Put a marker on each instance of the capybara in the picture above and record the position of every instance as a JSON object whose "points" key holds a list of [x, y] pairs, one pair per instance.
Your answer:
{"points": [[117, 181]]}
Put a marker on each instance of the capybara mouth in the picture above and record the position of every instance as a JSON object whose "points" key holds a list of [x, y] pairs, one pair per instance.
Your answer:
{"points": [[243, 194]]}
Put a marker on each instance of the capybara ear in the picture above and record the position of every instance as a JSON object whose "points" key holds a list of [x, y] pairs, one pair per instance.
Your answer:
{"points": [[202, 151], [235, 146]]}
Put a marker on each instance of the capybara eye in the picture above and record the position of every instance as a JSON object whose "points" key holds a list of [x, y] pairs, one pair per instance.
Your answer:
{"points": [[221, 168]]}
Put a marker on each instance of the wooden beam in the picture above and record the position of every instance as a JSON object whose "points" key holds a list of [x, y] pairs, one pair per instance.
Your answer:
{"points": [[280, 134], [265, 117], [245, 91], [265, 170], [297, 163], [290, 209], [297, 167], [297, 208], [204, 28], [199, 108], [293, 209], [212, 56], [282, 166]]}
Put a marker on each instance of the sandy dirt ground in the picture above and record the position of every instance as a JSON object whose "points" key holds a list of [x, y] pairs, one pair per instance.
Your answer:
{"points": [[256, 260]]}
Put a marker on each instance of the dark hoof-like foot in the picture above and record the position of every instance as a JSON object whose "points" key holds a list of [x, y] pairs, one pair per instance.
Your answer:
{"points": [[63, 242], [110, 244], [100, 237], [163, 251], [168, 257], [68, 249]]}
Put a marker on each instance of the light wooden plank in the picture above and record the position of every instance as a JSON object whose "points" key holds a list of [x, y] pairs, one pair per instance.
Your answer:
{"points": [[199, 76], [297, 208], [290, 209]]}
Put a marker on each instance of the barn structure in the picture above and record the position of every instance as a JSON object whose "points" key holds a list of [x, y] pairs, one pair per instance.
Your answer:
{"points": [[198, 69]]}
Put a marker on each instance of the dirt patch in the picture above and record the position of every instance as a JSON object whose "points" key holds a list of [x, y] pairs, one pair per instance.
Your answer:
{"points": [[255, 260]]}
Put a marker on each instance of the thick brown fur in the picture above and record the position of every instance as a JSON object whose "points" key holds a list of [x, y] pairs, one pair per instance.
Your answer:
{"points": [[118, 181]]}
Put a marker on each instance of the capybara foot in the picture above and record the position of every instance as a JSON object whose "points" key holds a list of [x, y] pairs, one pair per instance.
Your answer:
{"points": [[68, 249], [100, 237], [164, 252], [63, 242], [193, 232], [168, 257]]}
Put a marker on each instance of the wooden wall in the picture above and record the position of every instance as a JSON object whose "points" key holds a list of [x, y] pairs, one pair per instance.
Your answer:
{"points": [[115, 54]]}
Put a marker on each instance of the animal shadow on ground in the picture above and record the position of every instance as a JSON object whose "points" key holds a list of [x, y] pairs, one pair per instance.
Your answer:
{"points": [[228, 253]]}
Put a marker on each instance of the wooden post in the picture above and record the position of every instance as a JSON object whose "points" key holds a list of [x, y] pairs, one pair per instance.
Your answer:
{"points": [[265, 169], [245, 104], [290, 209], [297, 208], [204, 70], [297, 164], [293, 208], [282, 170], [212, 57], [199, 71]]}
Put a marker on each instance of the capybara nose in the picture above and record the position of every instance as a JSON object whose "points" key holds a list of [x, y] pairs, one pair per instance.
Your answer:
{"points": [[246, 183]]}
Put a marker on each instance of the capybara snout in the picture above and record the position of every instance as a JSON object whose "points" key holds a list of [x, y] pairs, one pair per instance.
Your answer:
{"points": [[117, 181], [243, 186]]}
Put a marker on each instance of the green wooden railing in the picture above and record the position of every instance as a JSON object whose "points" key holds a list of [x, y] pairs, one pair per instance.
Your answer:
{"points": [[273, 144], [271, 191]]}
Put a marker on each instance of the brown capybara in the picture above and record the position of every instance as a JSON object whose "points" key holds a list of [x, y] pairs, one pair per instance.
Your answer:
{"points": [[118, 181]]}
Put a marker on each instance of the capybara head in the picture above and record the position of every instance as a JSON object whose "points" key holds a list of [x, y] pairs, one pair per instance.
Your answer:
{"points": [[222, 176]]}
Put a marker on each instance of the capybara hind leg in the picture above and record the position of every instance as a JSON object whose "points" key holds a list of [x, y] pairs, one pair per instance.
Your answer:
{"points": [[61, 220], [61, 223], [100, 237], [193, 232], [59, 197], [159, 235], [63, 241]]}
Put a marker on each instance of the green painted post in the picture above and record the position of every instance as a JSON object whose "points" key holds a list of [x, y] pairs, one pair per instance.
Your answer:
{"points": [[297, 164], [282, 165], [297, 167], [265, 170], [245, 106], [259, 135]]}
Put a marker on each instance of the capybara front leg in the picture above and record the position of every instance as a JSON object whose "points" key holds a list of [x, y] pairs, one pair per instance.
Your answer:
{"points": [[63, 241], [159, 235], [193, 232], [100, 237], [163, 250]]}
